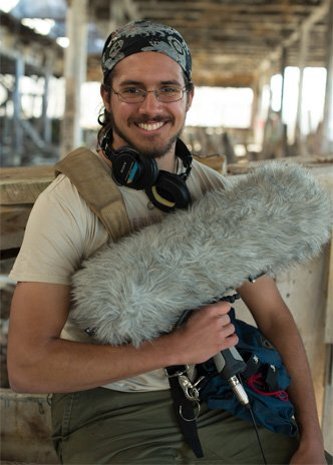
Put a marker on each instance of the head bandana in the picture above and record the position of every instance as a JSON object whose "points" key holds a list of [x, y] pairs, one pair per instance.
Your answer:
{"points": [[145, 36]]}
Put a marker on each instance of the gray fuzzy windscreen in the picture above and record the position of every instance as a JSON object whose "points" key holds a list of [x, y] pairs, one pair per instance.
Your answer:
{"points": [[263, 222]]}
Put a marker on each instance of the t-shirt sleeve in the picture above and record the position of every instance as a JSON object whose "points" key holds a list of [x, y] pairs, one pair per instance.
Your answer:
{"points": [[58, 236]]}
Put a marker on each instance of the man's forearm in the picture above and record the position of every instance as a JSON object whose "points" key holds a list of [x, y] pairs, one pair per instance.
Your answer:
{"points": [[301, 389], [66, 366], [39, 361]]}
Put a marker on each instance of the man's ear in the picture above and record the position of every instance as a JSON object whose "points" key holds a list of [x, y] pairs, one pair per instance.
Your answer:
{"points": [[105, 94], [190, 95]]}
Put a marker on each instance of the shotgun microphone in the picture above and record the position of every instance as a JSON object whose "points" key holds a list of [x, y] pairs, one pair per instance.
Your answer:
{"points": [[264, 222]]}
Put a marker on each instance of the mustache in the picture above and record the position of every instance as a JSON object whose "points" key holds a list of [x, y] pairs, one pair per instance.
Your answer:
{"points": [[145, 119]]}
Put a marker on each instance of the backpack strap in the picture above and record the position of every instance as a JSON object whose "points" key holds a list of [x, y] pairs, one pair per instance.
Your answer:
{"points": [[185, 404], [96, 186]]}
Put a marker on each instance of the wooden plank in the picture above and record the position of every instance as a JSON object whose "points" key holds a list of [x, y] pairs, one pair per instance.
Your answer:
{"points": [[23, 185], [324, 162], [217, 162], [26, 428], [19, 188], [13, 223]]}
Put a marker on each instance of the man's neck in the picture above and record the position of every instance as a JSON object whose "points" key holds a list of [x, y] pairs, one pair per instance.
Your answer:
{"points": [[168, 162]]}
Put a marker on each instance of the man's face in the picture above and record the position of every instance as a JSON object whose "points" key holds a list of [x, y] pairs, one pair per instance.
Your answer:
{"points": [[151, 127]]}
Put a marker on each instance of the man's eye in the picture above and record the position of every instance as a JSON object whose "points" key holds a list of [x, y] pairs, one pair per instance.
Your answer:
{"points": [[131, 91], [169, 90]]}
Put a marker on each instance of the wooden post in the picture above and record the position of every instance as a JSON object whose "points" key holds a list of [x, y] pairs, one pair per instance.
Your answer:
{"points": [[75, 73], [18, 131], [46, 123], [282, 150], [283, 75], [258, 115], [299, 132], [327, 139]]}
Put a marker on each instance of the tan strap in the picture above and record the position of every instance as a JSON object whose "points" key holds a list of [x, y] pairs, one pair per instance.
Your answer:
{"points": [[94, 183]]}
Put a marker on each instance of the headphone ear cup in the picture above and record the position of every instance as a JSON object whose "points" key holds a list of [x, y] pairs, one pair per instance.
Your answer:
{"points": [[131, 170], [169, 192]]}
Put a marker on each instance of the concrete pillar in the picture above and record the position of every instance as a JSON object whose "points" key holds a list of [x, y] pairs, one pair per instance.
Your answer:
{"points": [[75, 73]]}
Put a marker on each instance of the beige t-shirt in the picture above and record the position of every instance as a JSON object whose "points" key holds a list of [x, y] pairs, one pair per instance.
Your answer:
{"points": [[62, 231]]}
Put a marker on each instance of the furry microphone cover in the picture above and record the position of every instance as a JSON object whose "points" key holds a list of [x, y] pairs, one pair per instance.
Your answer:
{"points": [[264, 222]]}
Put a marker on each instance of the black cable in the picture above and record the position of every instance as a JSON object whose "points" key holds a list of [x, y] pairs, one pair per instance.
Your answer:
{"points": [[257, 433], [248, 406]]}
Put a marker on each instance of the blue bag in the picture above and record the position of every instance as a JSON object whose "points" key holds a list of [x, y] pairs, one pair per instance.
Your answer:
{"points": [[265, 381]]}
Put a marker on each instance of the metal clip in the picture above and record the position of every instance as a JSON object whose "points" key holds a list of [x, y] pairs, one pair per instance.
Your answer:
{"points": [[191, 392], [196, 409]]}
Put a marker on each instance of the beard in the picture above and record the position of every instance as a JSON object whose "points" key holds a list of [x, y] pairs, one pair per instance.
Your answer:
{"points": [[154, 150]]}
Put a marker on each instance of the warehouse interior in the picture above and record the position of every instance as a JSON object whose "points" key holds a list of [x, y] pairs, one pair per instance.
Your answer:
{"points": [[242, 45], [263, 76]]}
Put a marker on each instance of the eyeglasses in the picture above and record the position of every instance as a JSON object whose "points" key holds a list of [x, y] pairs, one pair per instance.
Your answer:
{"points": [[137, 95]]}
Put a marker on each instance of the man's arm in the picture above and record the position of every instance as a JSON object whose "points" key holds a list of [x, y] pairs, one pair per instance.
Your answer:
{"points": [[39, 361], [277, 324]]}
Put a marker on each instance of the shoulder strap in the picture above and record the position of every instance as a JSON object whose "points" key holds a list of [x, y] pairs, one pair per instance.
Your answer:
{"points": [[94, 183]]}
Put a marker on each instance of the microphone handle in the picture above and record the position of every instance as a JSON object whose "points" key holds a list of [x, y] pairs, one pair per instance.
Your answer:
{"points": [[229, 363]]}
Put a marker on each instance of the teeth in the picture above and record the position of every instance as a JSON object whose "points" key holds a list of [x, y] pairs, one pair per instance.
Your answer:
{"points": [[150, 127]]}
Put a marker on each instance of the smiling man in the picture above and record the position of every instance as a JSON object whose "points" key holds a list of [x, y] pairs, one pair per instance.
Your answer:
{"points": [[148, 114], [112, 404]]}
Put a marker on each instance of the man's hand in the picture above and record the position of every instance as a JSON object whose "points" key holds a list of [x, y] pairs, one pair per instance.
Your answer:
{"points": [[309, 454], [205, 333]]}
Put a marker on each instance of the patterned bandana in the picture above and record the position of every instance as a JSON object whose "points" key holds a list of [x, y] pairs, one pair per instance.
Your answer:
{"points": [[145, 36]]}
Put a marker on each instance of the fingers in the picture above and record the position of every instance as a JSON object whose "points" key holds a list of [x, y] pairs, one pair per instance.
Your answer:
{"points": [[218, 310], [205, 333]]}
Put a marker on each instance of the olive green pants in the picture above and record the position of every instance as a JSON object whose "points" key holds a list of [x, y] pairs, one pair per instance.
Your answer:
{"points": [[101, 426]]}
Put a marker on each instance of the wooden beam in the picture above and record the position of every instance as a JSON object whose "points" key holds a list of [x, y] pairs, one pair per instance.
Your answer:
{"points": [[250, 6], [317, 15]]}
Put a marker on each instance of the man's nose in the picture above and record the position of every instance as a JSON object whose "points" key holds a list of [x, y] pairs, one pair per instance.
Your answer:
{"points": [[150, 103]]}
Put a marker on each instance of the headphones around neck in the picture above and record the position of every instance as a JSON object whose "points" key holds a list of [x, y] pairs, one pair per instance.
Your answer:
{"points": [[166, 191]]}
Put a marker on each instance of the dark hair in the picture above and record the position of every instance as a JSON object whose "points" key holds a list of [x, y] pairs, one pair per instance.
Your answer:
{"points": [[105, 118]]}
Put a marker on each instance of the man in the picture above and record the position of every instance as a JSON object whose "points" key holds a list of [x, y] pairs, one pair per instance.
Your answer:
{"points": [[147, 91]]}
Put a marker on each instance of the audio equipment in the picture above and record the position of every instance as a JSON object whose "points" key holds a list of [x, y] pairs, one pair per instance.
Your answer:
{"points": [[167, 191], [263, 222]]}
